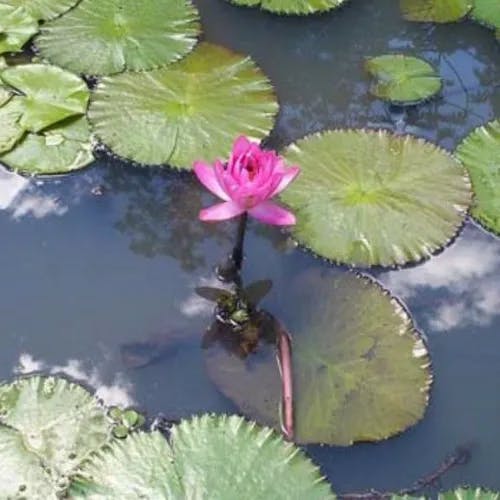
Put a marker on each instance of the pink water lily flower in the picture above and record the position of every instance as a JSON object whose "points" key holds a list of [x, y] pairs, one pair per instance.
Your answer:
{"points": [[251, 177]]}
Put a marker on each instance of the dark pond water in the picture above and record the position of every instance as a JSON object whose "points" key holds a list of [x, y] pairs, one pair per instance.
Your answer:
{"points": [[94, 261]]}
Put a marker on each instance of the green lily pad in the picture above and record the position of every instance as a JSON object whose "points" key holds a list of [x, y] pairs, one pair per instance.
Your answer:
{"points": [[487, 12], [54, 425], [374, 198], [5, 95], [469, 494], [59, 149], [16, 28], [193, 109], [435, 11], [480, 153], [21, 471], [297, 7], [50, 94], [208, 457], [402, 79], [102, 38], [43, 9], [10, 129], [360, 369]]}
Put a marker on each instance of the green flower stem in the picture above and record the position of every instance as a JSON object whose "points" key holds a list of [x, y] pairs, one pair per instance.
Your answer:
{"points": [[237, 256]]}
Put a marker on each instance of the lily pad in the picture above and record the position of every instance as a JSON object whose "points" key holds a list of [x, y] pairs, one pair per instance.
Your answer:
{"points": [[480, 153], [59, 149], [5, 95], [469, 494], [374, 198], [21, 471], [43, 9], [193, 109], [208, 457], [53, 426], [360, 369], [435, 11], [101, 38], [10, 130], [50, 94], [402, 79], [487, 12], [298, 7], [16, 28]]}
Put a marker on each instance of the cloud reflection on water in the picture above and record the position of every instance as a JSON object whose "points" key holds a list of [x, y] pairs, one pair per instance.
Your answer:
{"points": [[118, 392], [19, 197], [466, 275]]}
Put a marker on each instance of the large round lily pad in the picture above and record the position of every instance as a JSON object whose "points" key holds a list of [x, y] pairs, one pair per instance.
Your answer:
{"points": [[469, 494], [360, 369], [374, 198], [480, 153], [402, 79], [62, 148], [43, 9], [104, 37], [190, 110], [208, 457], [50, 94], [435, 11], [53, 426], [298, 7], [16, 28]]}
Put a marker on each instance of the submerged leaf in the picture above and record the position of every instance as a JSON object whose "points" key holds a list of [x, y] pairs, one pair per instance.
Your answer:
{"points": [[43, 9], [298, 7], [188, 111], [16, 28], [50, 94], [402, 79], [435, 11], [480, 153], [360, 369], [59, 149], [469, 494], [373, 198], [58, 425], [105, 37], [208, 457]]}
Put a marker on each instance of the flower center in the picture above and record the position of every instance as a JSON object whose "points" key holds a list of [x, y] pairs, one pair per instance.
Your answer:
{"points": [[252, 168]]}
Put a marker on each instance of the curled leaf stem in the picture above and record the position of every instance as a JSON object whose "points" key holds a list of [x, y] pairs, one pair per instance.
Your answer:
{"points": [[285, 366]]}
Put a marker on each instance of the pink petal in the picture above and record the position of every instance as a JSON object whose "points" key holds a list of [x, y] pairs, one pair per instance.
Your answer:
{"points": [[221, 211], [270, 213], [288, 177], [207, 176], [241, 146]]}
